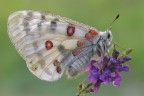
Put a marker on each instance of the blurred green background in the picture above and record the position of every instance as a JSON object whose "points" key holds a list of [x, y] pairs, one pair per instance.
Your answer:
{"points": [[128, 31]]}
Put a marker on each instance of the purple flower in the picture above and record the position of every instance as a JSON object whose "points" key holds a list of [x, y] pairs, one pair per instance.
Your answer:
{"points": [[107, 70], [117, 79], [106, 60], [118, 68], [106, 77], [89, 66], [114, 61], [103, 63], [115, 53], [94, 72], [126, 68], [124, 59], [127, 58]]}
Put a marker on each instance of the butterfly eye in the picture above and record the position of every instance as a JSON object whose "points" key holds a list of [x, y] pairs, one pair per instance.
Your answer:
{"points": [[108, 35]]}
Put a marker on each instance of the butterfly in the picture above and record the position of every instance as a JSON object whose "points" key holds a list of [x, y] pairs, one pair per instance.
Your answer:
{"points": [[53, 45]]}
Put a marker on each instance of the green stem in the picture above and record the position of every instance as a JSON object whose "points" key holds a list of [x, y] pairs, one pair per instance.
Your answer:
{"points": [[88, 85]]}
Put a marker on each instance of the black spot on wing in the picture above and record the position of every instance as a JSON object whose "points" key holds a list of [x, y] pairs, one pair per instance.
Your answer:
{"points": [[25, 23], [43, 17], [61, 48], [56, 19], [29, 16], [53, 25], [27, 29], [39, 25], [26, 20]]}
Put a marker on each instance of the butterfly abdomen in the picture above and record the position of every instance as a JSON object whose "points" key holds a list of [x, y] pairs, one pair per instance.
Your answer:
{"points": [[77, 66]]}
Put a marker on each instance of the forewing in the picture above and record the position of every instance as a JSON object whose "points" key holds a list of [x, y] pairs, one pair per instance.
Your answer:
{"points": [[44, 39]]}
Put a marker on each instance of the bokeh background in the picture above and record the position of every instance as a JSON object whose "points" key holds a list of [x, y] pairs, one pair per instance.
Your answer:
{"points": [[128, 31]]}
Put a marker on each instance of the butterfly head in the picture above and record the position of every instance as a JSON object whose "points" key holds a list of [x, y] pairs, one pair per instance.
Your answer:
{"points": [[106, 36]]}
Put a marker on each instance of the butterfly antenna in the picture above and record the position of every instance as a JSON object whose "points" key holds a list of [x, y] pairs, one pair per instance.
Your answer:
{"points": [[113, 22]]}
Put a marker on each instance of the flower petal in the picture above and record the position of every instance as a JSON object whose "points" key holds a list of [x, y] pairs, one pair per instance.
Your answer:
{"points": [[106, 77], [93, 76], [91, 79], [124, 59], [117, 80], [126, 68], [118, 68], [89, 66], [93, 62], [115, 53], [114, 61]]}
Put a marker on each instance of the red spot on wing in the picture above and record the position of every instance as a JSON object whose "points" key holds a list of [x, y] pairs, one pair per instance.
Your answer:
{"points": [[56, 62], [76, 52], [80, 43], [70, 30], [90, 34], [58, 69], [48, 44], [93, 33]]}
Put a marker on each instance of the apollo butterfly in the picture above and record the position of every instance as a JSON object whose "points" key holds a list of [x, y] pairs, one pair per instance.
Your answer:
{"points": [[52, 45]]}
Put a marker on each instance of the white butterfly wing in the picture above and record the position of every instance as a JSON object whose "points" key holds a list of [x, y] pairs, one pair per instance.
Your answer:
{"points": [[44, 40]]}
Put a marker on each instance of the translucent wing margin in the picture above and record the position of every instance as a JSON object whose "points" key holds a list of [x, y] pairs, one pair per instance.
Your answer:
{"points": [[44, 40]]}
